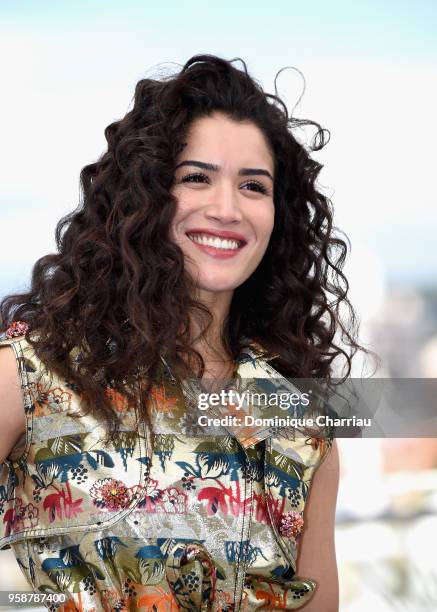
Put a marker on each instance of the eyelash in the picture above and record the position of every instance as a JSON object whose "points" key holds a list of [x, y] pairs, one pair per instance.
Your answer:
{"points": [[262, 189]]}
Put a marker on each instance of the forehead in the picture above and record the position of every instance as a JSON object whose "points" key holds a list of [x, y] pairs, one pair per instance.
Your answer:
{"points": [[219, 139]]}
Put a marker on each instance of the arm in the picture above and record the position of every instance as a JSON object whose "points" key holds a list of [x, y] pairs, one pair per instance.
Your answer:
{"points": [[12, 416], [316, 556]]}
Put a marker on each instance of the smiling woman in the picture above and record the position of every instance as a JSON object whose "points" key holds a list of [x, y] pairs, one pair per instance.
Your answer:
{"points": [[202, 251], [215, 199]]}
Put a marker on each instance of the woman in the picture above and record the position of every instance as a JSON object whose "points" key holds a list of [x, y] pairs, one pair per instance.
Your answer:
{"points": [[202, 252]]}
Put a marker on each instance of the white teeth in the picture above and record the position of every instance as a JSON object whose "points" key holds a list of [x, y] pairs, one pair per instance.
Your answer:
{"points": [[213, 241]]}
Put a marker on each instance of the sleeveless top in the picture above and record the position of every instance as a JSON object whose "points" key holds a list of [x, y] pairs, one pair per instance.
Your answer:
{"points": [[204, 522]]}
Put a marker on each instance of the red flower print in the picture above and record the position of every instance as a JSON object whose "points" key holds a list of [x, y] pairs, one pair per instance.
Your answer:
{"points": [[174, 501], [16, 329], [56, 399], [30, 516], [21, 517], [291, 524], [110, 494], [152, 491]]}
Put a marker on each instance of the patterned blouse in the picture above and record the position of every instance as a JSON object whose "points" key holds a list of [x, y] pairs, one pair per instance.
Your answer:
{"points": [[209, 520]]}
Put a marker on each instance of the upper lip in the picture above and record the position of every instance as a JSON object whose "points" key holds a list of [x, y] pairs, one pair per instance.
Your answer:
{"points": [[219, 233]]}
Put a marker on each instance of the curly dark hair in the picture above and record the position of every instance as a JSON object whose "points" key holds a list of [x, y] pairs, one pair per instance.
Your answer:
{"points": [[116, 289]]}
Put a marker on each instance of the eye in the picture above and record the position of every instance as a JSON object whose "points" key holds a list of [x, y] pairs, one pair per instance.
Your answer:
{"points": [[258, 187], [195, 177]]}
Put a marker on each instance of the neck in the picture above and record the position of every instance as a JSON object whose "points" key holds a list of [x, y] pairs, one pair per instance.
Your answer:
{"points": [[211, 346]]}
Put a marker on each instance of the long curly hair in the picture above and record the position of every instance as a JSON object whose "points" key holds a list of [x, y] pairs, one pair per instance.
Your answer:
{"points": [[117, 292]]}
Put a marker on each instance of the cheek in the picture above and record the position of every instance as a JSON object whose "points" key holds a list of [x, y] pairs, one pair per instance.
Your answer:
{"points": [[177, 222], [265, 223], [185, 205]]}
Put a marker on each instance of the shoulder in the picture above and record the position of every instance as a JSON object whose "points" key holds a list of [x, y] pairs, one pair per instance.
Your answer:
{"points": [[18, 366], [12, 413], [19, 347], [11, 349]]}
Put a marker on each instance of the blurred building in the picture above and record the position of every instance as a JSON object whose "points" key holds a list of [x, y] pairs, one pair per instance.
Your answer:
{"points": [[401, 330], [387, 505]]}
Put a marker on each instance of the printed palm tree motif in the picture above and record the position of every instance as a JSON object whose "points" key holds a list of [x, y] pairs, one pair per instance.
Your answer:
{"points": [[69, 570], [61, 504], [284, 472], [124, 443], [59, 456], [219, 474], [151, 564], [237, 551], [225, 501], [107, 547], [164, 446]]}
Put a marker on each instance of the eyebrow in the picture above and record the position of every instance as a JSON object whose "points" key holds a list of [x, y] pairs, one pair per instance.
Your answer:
{"points": [[215, 168]]}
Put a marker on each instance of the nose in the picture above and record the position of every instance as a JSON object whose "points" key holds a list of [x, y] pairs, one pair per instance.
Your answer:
{"points": [[224, 205]]}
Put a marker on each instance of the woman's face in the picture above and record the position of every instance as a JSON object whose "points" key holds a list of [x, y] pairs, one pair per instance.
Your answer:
{"points": [[225, 213]]}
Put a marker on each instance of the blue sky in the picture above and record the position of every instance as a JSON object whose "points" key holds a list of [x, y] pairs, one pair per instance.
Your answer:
{"points": [[392, 29], [370, 70]]}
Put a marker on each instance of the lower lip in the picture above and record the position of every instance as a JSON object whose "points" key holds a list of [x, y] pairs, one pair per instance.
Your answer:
{"points": [[217, 253]]}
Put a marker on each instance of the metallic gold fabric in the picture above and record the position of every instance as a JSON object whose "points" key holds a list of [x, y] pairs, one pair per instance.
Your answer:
{"points": [[202, 523]]}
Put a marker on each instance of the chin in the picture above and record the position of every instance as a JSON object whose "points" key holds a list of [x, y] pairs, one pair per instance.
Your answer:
{"points": [[218, 285]]}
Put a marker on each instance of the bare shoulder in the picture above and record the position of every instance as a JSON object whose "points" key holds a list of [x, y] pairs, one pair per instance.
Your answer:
{"points": [[12, 415]]}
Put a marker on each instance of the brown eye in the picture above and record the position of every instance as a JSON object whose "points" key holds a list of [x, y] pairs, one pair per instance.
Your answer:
{"points": [[195, 177], [255, 186]]}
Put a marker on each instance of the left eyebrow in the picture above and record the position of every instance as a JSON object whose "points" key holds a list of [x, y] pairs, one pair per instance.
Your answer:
{"points": [[254, 171], [215, 168]]}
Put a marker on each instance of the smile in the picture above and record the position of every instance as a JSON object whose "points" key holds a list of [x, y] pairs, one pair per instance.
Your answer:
{"points": [[216, 245], [214, 241]]}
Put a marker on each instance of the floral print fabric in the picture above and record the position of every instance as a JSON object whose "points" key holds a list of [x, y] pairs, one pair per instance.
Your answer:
{"points": [[202, 523]]}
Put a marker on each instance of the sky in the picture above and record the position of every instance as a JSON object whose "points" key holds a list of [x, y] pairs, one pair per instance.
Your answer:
{"points": [[370, 77]]}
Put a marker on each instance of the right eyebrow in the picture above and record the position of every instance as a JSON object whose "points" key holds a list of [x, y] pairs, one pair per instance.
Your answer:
{"points": [[215, 168], [199, 164]]}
